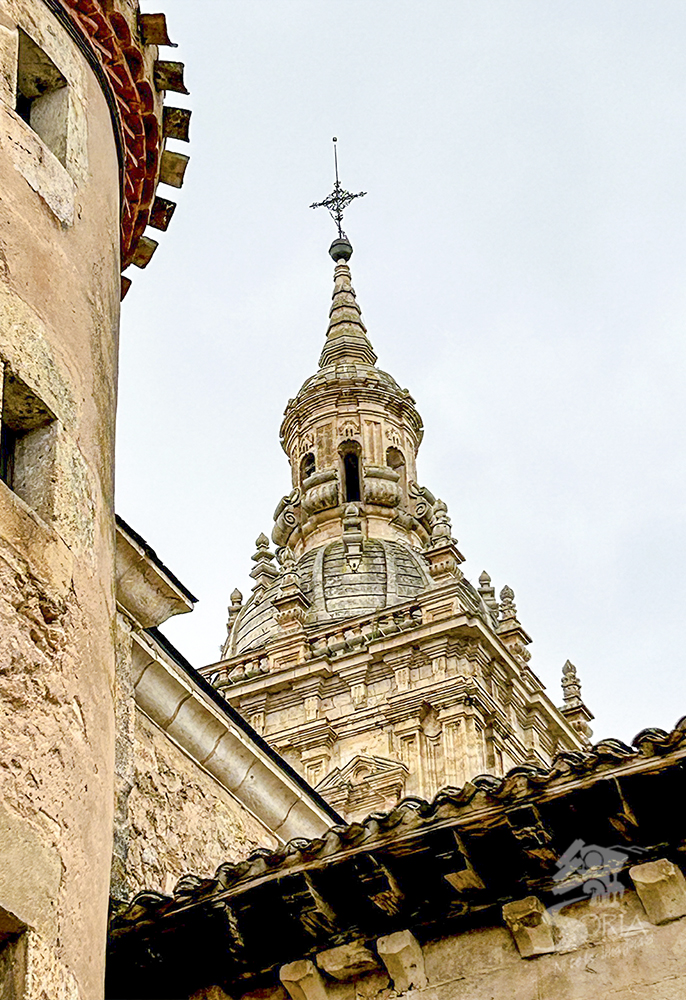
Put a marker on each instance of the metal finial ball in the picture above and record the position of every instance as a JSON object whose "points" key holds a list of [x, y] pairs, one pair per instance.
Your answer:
{"points": [[341, 249]]}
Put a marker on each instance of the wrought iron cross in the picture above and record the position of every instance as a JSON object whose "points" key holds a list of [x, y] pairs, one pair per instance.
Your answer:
{"points": [[339, 199]]}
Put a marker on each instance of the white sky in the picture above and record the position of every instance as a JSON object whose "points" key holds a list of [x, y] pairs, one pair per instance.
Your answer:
{"points": [[520, 260]]}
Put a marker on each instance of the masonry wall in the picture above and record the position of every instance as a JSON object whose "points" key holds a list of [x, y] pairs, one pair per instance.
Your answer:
{"points": [[606, 950], [59, 314], [181, 820]]}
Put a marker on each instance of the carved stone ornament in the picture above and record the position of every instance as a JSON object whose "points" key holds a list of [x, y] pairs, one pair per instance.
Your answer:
{"points": [[441, 528], [352, 536], [286, 518], [320, 491], [424, 501], [348, 428], [264, 572], [571, 685], [381, 486]]}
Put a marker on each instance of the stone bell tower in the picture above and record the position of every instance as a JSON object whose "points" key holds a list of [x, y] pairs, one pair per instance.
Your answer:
{"points": [[364, 655]]}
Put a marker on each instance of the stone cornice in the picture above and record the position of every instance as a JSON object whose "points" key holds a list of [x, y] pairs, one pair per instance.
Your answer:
{"points": [[146, 590]]}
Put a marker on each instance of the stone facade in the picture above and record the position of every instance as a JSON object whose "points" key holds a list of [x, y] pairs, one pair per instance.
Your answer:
{"points": [[192, 788], [363, 654]]}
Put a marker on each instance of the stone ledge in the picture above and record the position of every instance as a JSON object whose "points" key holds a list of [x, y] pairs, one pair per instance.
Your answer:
{"points": [[34, 541]]}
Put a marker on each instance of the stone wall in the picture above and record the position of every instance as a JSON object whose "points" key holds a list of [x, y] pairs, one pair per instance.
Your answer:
{"points": [[622, 948], [59, 317], [180, 818]]}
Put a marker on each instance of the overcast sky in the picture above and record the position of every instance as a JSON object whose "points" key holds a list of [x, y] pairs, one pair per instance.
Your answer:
{"points": [[520, 260]]}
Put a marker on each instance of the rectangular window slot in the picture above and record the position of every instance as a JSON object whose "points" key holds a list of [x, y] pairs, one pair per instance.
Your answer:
{"points": [[27, 432], [12, 957], [42, 96]]}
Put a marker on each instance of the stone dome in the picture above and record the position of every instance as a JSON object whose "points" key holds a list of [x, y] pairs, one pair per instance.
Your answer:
{"points": [[356, 372], [389, 573]]}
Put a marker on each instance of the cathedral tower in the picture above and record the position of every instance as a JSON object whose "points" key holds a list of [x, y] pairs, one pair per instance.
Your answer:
{"points": [[363, 654]]}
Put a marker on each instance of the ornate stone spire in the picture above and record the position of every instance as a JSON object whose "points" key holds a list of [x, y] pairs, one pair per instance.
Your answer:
{"points": [[264, 572], [346, 337], [574, 707], [351, 435]]}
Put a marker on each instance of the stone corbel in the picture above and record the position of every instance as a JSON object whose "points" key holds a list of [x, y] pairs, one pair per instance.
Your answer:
{"points": [[348, 961], [402, 955], [303, 981], [661, 887], [531, 926]]}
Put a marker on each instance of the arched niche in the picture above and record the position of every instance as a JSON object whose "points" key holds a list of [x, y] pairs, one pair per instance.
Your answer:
{"points": [[350, 454], [396, 460], [308, 466]]}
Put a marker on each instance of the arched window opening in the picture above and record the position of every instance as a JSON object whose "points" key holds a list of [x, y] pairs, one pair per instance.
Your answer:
{"points": [[351, 467], [396, 460], [307, 466], [350, 453]]}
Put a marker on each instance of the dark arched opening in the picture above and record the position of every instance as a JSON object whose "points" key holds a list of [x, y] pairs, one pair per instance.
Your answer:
{"points": [[351, 468], [307, 466], [350, 454], [396, 460]]}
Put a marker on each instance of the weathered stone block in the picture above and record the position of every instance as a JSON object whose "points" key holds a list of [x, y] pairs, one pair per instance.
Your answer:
{"points": [[211, 993], [661, 887], [348, 961], [402, 955], [303, 980], [531, 926]]}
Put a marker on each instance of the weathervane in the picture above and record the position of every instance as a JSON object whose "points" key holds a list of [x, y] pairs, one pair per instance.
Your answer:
{"points": [[339, 199]]}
